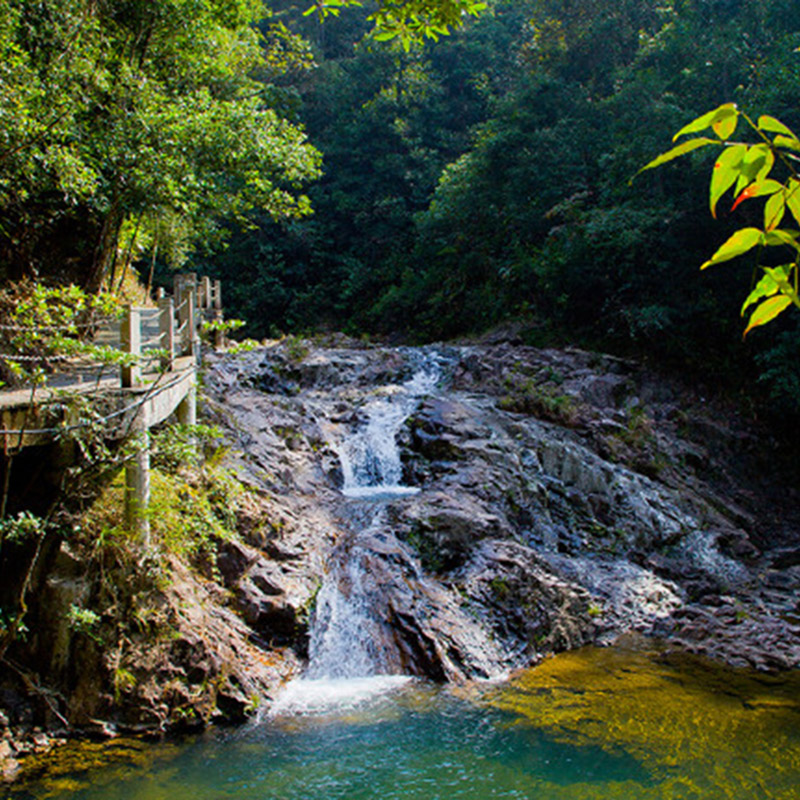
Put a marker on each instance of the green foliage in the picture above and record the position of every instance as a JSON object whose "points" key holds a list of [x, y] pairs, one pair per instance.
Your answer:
{"points": [[85, 621], [145, 115], [221, 325], [42, 323], [424, 544], [190, 512], [296, 348], [244, 346], [22, 528], [409, 21], [485, 178], [175, 446], [540, 399], [746, 168]]}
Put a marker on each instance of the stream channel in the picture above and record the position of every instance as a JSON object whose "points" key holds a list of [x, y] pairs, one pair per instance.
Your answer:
{"points": [[632, 721]]}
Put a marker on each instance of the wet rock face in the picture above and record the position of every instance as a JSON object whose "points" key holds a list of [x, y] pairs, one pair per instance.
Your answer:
{"points": [[566, 497]]}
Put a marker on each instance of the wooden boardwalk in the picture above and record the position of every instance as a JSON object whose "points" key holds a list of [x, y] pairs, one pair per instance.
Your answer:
{"points": [[160, 382], [30, 417]]}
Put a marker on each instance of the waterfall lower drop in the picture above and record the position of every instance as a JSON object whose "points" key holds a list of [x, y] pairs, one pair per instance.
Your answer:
{"points": [[347, 664]]}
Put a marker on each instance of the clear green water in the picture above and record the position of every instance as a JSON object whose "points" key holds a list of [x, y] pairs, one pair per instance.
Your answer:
{"points": [[596, 724]]}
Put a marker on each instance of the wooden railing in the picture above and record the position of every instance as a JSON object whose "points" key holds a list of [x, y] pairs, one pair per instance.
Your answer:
{"points": [[179, 321], [142, 399]]}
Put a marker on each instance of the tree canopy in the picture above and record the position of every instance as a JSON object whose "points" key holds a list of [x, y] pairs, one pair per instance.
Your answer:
{"points": [[476, 179], [120, 115]]}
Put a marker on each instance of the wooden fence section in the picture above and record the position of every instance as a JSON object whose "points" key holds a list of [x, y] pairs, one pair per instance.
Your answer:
{"points": [[141, 395]]}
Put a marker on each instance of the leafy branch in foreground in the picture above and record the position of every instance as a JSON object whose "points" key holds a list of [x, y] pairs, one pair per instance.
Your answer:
{"points": [[766, 168]]}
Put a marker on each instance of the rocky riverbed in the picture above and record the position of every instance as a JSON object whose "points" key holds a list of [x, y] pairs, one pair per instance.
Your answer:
{"points": [[565, 498], [555, 498]]}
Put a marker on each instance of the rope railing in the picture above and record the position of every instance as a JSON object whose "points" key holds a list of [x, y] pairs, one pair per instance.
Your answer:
{"points": [[41, 357], [69, 327], [178, 320], [171, 391], [61, 406]]}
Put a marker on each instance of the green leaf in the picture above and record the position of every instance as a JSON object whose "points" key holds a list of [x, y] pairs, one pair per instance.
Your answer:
{"points": [[789, 142], [743, 240], [766, 287], [726, 171], [757, 189], [772, 125], [708, 120], [767, 311], [757, 163], [676, 152], [725, 127], [780, 275], [793, 198], [774, 209], [780, 237]]}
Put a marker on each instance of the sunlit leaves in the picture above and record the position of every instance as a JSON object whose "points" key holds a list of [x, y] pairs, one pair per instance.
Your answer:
{"points": [[741, 242], [793, 198], [774, 293], [408, 21], [719, 120], [725, 126], [144, 111], [748, 169], [772, 125], [767, 312], [677, 152], [726, 173], [756, 165], [766, 287], [787, 142], [760, 189], [774, 210]]}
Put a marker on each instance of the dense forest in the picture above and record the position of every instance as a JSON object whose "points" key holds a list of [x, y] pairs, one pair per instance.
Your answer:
{"points": [[339, 176], [486, 177]]}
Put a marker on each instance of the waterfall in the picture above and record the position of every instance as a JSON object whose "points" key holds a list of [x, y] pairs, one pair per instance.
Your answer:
{"points": [[348, 659], [351, 658], [345, 639], [369, 456]]}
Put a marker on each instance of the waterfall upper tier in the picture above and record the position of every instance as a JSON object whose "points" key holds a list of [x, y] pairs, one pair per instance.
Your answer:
{"points": [[368, 451]]}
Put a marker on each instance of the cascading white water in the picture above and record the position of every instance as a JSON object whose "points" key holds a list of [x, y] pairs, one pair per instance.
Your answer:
{"points": [[345, 659], [369, 456], [344, 638]]}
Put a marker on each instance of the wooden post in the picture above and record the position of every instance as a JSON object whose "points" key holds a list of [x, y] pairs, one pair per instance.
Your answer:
{"points": [[166, 325], [191, 321], [160, 293], [131, 336], [218, 295], [190, 281], [186, 319], [187, 408], [204, 301], [219, 333], [137, 479]]}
